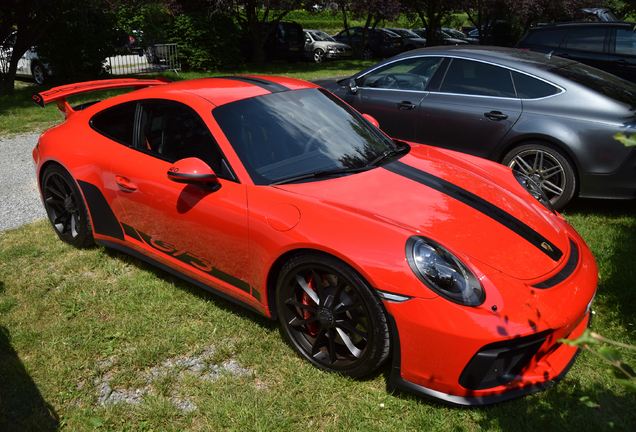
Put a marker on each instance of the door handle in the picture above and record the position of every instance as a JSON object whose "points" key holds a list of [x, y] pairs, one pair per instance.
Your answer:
{"points": [[496, 115], [405, 105], [125, 183]]}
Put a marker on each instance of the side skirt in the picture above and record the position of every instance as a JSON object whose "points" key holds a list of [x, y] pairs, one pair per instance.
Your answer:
{"points": [[176, 273]]}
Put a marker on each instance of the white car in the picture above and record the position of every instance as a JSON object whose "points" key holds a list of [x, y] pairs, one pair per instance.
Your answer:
{"points": [[320, 46], [28, 66]]}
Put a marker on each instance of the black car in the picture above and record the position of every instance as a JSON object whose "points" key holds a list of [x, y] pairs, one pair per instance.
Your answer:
{"points": [[285, 42], [610, 46], [551, 118], [410, 39], [381, 43]]}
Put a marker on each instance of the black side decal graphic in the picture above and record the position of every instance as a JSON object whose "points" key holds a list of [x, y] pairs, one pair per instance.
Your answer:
{"points": [[478, 204], [131, 232], [104, 220], [264, 84], [191, 259]]}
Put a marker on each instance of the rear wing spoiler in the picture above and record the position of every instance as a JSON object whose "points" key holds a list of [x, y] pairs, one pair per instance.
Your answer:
{"points": [[60, 93]]}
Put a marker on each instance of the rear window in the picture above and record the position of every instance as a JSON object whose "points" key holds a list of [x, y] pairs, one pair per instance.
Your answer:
{"points": [[600, 82]]}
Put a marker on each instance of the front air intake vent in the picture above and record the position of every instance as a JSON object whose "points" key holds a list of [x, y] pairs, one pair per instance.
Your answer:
{"points": [[500, 362]]}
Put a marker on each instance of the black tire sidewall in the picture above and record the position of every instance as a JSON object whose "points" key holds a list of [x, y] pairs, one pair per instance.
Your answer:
{"points": [[378, 345], [85, 232]]}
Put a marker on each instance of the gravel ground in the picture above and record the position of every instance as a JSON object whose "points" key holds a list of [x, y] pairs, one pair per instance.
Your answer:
{"points": [[20, 201]]}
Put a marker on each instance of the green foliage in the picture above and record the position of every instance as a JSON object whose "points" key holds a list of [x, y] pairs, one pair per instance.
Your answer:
{"points": [[149, 18], [75, 48], [206, 43], [627, 141], [621, 372]]}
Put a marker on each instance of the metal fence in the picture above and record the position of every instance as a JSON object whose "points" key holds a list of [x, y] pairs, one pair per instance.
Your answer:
{"points": [[155, 58]]}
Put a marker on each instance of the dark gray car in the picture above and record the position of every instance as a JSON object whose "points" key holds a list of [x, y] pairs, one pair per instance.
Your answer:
{"points": [[551, 118]]}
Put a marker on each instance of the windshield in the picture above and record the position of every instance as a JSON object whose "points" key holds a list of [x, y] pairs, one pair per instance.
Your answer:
{"points": [[292, 133], [321, 36]]}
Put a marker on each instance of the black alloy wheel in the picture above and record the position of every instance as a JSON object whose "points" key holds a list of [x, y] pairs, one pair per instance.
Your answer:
{"points": [[548, 167], [65, 207], [331, 316]]}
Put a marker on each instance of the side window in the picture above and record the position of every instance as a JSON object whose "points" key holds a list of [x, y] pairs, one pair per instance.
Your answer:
{"points": [[532, 88], [409, 74], [625, 42], [590, 40], [117, 122], [547, 38], [476, 78], [173, 131]]}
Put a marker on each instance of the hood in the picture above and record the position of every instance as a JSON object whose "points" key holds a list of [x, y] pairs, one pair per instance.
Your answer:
{"points": [[473, 211]]}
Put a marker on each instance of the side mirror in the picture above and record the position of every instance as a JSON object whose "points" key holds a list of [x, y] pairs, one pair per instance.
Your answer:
{"points": [[371, 119], [193, 171], [352, 86]]}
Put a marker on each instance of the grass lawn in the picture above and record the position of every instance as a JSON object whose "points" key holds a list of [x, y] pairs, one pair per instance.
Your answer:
{"points": [[82, 329]]}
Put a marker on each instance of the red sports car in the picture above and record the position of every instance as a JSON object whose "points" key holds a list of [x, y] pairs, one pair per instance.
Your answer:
{"points": [[275, 194]]}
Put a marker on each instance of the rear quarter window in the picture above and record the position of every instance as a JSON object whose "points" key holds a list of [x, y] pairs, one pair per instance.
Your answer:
{"points": [[116, 123], [586, 39], [531, 88]]}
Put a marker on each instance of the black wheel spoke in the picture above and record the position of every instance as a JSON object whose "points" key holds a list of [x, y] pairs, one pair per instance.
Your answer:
{"points": [[333, 355], [346, 325], [350, 346], [305, 286], [308, 308], [296, 322]]}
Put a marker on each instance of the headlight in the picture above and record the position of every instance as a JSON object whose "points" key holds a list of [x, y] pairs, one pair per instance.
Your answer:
{"points": [[533, 188], [442, 272]]}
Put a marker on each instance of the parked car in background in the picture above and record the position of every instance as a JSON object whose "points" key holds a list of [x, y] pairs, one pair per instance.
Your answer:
{"points": [[381, 43], [550, 118], [442, 36], [458, 34], [319, 46], [285, 42], [29, 66], [610, 46], [410, 39]]}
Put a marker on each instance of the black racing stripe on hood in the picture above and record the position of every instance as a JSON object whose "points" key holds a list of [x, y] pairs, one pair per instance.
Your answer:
{"points": [[479, 204], [270, 86]]}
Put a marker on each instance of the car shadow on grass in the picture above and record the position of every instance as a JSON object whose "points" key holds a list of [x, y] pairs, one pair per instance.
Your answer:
{"points": [[22, 407]]}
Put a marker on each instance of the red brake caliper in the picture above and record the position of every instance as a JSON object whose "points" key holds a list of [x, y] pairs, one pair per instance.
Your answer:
{"points": [[313, 326]]}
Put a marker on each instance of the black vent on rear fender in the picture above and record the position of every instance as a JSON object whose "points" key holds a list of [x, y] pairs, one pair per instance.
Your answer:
{"points": [[84, 105], [565, 272], [500, 362]]}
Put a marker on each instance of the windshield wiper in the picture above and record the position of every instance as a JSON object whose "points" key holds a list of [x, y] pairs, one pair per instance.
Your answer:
{"points": [[386, 154], [319, 174]]}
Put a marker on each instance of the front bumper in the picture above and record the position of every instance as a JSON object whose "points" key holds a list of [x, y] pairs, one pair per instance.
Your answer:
{"points": [[505, 348], [562, 354]]}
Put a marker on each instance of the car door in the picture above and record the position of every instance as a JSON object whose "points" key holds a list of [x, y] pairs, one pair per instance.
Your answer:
{"points": [[472, 110], [623, 61], [392, 94], [192, 226]]}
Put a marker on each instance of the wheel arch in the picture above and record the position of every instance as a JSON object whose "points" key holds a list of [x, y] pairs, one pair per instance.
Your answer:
{"points": [[547, 140], [276, 267]]}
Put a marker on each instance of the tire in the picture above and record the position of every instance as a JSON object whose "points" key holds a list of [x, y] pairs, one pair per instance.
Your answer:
{"points": [[39, 73], [368, 54], [65, 207], [331, 316], [319, 56], [548, 167]]}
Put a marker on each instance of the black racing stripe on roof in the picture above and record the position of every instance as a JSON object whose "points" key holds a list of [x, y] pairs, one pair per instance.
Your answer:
{"points": [[479, 204], [264, 84]]}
